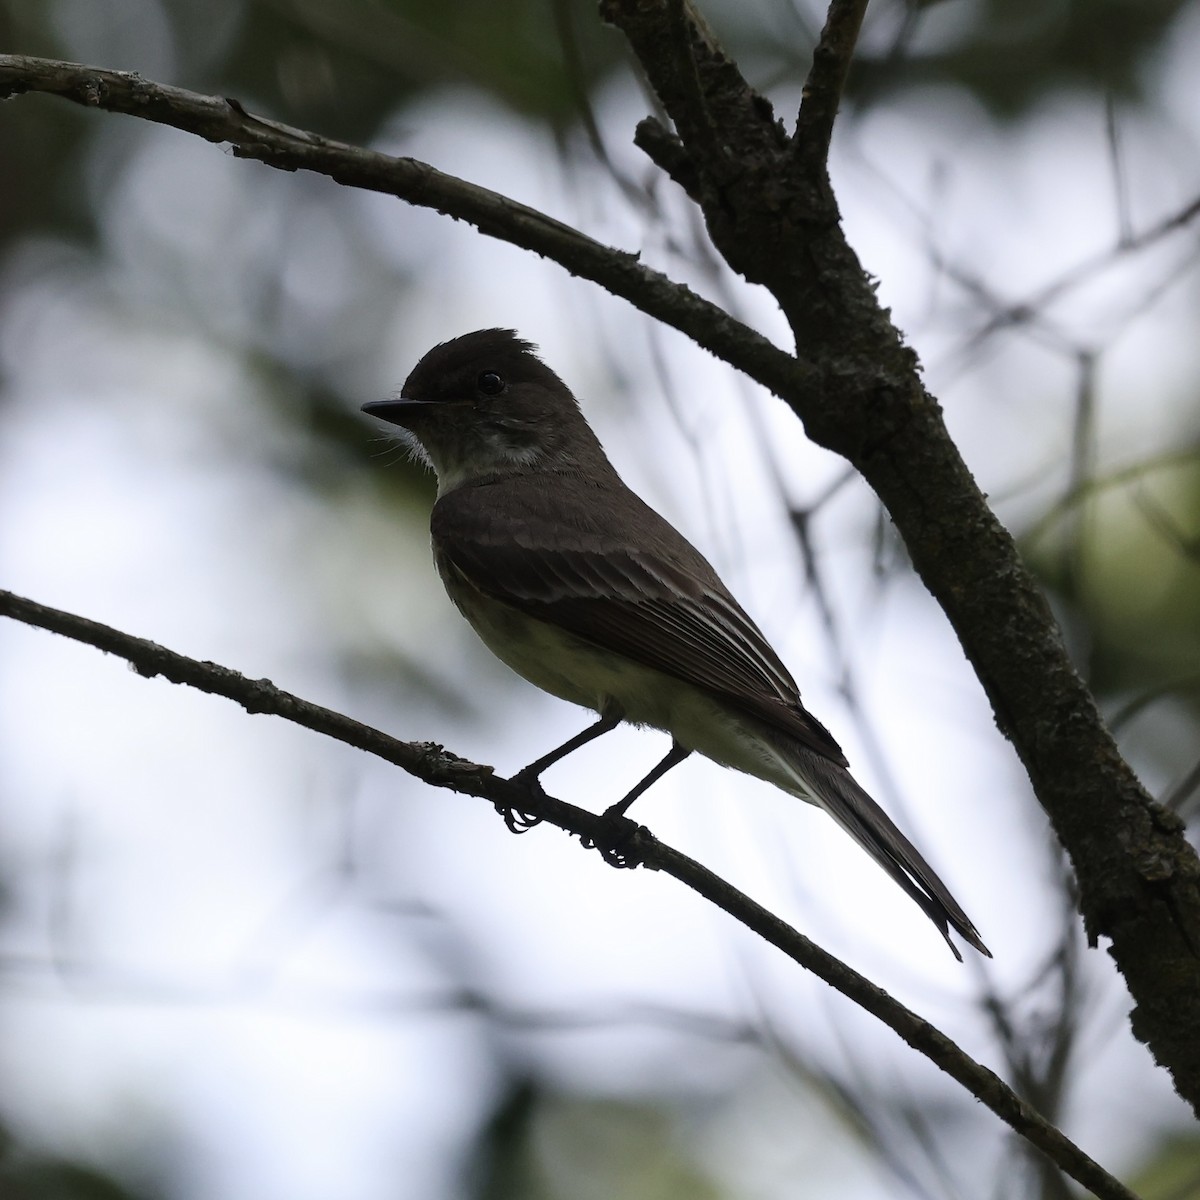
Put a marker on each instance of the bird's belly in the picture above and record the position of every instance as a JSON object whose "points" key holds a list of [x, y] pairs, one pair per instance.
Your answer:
{"points": [[578, 671], [556, 661]]}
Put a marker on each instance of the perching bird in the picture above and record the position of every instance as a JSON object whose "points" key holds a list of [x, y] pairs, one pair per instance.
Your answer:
{"points": [[584, 590]]}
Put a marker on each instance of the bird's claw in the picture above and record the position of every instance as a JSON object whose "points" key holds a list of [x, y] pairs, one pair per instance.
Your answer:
{"points": [[516, 820], [614, 841]]}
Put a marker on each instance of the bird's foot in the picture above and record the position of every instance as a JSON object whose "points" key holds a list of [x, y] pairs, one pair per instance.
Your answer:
{"points": [[517, 820], [615, 839]]}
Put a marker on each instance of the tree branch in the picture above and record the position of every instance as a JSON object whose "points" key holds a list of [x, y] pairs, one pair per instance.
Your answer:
{"points": [[776, 220], [437, 766], [826, 81], [217, 119], [858, 391]]}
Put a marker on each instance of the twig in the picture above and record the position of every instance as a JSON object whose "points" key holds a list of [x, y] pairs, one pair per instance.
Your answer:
{"points": [[700, 124], [437, 766], [826, 81]]}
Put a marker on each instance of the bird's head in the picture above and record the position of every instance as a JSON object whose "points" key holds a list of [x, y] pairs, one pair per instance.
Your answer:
{"points": [[484, 405]]}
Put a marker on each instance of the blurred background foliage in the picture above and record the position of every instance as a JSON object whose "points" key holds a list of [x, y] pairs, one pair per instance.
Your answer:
{"points": [[185, 340]]}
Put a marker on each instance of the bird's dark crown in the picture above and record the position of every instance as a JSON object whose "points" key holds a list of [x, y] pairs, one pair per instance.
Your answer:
{"points": [[453, 369], [484, 405]]}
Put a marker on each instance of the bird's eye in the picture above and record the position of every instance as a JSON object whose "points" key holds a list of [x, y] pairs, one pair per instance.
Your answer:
{"points": [[490, 384]]}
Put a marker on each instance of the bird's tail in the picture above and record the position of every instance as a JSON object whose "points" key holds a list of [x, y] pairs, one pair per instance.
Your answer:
{"points": [[832, 787]]}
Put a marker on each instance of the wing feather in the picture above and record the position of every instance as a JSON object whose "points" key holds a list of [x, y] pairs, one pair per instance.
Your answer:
{"points": [[660, 604]]}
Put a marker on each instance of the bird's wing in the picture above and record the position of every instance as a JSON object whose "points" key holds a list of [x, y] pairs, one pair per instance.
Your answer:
{"points": [[661, 605]]}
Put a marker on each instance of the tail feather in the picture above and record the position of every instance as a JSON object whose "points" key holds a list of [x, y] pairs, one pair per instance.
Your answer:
{"points": [[835, 790]]}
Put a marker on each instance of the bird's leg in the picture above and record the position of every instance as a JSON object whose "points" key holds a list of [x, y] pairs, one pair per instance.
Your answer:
{"points": [[519, 822], [609, 720], [674, 757], [612, 845]]}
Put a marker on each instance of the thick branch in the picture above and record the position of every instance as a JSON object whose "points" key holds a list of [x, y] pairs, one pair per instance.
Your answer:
{"points": [[437, 766], [775, 219]]}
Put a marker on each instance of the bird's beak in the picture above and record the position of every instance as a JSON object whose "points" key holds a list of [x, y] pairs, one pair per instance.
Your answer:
{"points": [[399, 411]]}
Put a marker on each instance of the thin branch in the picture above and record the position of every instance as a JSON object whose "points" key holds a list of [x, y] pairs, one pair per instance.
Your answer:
{"points": [[1163, 523], [217, 119], [1181, 684], [1089, 489], [826, 81], [1005, 313], [438, 767], [708, 141], [1179, 793]]}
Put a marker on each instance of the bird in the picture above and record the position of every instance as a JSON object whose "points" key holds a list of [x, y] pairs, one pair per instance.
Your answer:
{"points": [[582, 588]]}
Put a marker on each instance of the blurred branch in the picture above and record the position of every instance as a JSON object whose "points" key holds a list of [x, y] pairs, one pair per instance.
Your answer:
{"points": [[1016, 312], [1177, 798], [1086, 490], [217, 119], [1164, 524], [437, 766], [1176, 685]]}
